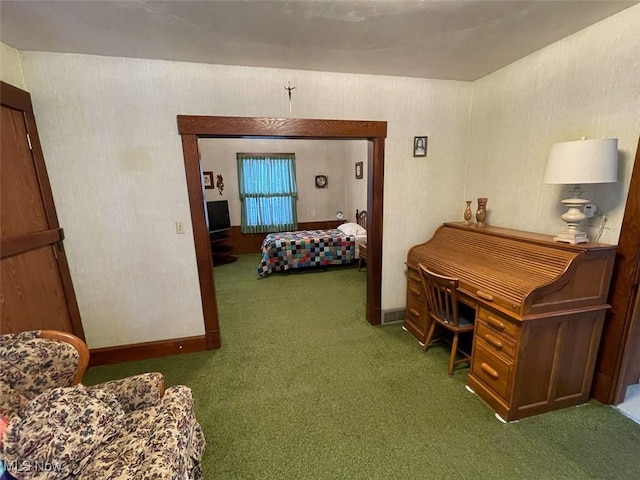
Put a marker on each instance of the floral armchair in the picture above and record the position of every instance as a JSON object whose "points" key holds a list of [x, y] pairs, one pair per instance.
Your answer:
{"points": [[57, 428]]}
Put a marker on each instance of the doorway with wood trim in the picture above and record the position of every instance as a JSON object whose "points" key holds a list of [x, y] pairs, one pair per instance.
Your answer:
{"points": [[36, 288], [193, 127]]}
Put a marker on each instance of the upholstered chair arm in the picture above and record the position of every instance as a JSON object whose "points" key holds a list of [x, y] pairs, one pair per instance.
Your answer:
{"points": [[35, 361], [138, 391], [78, 344]]}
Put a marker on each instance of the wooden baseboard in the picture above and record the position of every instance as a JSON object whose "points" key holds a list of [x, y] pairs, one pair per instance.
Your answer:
{"points": [[161, 348]]}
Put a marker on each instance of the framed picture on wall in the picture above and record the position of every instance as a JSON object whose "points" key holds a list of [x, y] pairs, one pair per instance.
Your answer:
{"points": [[420, 146], [207, 179], [358, 170]]}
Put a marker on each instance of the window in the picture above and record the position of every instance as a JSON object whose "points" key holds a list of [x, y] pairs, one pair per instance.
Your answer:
{"points": [[268, 192]]}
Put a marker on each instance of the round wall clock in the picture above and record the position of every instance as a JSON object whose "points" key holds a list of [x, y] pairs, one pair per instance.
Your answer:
{"points": [[322, 181]]}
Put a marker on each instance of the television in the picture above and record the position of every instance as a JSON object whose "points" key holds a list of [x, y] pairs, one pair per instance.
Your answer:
{"points": [[218, 216]]}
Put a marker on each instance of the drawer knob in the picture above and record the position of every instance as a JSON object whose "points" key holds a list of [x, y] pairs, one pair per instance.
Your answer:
{"points": [[414, 313], [489, 371], [493, 341], [415, 291], [495, 323], [485, 295]]}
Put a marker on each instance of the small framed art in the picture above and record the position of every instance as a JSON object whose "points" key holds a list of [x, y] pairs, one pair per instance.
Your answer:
{"points": [[420, 146], [207, 179], [358, 170], [322, 181]]}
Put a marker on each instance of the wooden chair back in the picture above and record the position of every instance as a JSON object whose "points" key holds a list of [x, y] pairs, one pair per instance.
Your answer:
{"points": [[441, 295]]}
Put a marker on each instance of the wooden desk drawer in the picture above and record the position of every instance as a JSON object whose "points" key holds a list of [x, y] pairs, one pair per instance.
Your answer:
{"points": [[415, 289], [416, 310], [496, 341], [414, 283], [492, 370], [498, 323], [413, 275]]}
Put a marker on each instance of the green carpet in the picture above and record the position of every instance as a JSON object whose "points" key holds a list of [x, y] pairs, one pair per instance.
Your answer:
{"points": [[305, 388]]}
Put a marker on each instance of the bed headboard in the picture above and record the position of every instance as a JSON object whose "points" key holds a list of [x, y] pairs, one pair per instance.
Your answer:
{"points": [[361, 218]]}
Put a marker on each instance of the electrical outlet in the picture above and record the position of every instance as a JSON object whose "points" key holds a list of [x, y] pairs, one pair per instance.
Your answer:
{"points": [[180, 228], [590, 210]]}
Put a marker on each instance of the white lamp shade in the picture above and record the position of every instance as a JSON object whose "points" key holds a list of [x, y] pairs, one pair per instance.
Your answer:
{"points": [[583, 161]]}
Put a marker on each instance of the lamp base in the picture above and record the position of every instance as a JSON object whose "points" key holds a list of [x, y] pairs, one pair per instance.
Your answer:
{"points": [[573, 237], [573, 217]]}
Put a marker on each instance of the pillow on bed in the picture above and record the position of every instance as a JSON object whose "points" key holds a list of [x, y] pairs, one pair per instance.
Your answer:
{"points": [[352, 229]]}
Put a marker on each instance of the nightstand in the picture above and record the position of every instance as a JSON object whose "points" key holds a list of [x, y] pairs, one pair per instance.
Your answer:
{"points": [[363, 255]]}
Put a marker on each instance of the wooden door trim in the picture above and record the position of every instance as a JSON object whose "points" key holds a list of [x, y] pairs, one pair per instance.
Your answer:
{"points": [[201, 236], [621, 334], [17, 99], [193, 127], [234, 127]]}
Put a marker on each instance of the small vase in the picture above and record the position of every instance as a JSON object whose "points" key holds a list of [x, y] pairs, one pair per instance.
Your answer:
{"points": [[467, 213], [481, 214]]}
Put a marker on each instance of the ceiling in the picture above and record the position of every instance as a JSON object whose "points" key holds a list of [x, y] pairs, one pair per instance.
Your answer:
{"points": [[454, 40]]}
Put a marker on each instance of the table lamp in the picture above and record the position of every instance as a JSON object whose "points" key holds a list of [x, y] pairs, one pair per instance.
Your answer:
{"points": [[579, 162]]}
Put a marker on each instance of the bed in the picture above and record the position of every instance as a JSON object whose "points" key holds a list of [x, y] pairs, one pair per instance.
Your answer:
{"points": [[307, 249]]}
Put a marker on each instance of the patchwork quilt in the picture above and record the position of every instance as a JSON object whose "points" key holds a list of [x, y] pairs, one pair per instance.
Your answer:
{"points": [[305, 248]]}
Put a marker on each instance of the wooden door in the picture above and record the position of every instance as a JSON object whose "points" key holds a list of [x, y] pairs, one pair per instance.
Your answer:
{"points": [[618, 363], [36, 291], [631, 365], [630, 241]]}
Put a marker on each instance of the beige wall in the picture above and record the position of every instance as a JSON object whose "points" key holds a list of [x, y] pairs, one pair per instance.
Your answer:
{"points": [[585, 85], [109, 135], [10, 66], [313, 157], [108, 129], [356, 192]]}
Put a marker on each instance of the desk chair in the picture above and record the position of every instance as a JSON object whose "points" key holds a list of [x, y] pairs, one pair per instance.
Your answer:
{"points": [[443, 309]]}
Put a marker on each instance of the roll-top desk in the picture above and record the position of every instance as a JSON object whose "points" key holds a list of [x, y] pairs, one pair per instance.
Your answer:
{"points": [[540, 307]]}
